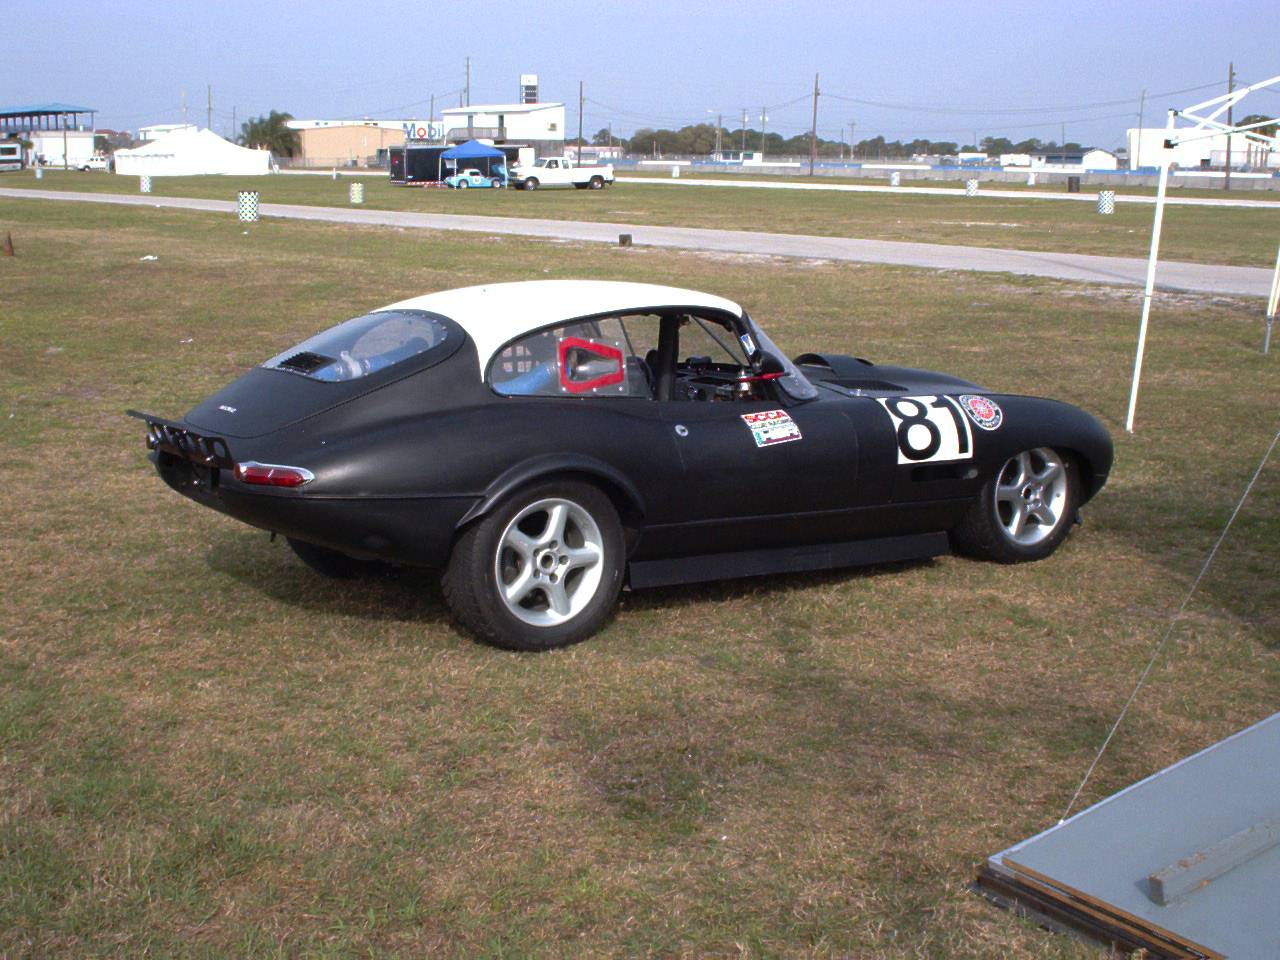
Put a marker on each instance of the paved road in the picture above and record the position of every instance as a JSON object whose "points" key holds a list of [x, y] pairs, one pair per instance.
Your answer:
{"points": [[953, 192], [1202, 278]]}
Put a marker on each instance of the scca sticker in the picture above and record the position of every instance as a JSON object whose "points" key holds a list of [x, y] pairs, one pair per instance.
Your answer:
{"points": [[770, 427], [985, 413]]}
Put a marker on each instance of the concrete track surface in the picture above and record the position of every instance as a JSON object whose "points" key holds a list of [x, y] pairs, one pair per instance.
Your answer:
{"points": [[1084, 268]]}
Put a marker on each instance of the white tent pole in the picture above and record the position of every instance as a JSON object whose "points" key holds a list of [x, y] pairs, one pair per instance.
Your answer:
{"points": [[1273, 304], [1152, 258]]}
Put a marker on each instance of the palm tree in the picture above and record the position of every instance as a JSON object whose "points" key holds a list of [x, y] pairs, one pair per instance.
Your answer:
{"points": [[271, 133]]}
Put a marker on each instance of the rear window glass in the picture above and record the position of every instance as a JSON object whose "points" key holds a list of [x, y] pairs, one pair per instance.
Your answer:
{"points": [[363, 345]]}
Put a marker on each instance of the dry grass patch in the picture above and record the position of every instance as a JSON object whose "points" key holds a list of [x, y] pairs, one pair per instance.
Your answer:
{"points": [[206, 750]]}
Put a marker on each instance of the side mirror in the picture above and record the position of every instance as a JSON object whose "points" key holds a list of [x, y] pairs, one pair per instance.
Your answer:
{"points": [[770, 366]]}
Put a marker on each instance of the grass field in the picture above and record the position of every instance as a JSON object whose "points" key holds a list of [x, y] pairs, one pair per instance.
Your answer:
{"points": [[1202, 234], [1054, 185], [206, 750]]}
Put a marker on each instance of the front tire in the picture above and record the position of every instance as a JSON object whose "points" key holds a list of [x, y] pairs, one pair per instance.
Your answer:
{"points": [[1023, 512], [597, 183], [543, 570], [531, 183], [463, 185]]}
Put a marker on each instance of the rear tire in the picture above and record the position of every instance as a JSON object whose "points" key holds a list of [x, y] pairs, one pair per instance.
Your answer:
{"points": [[327, 562], [543, 570], [1023, 512], [463, 185]]}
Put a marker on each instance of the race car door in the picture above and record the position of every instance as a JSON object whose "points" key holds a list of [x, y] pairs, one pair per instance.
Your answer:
{"points": [[757, 474]]}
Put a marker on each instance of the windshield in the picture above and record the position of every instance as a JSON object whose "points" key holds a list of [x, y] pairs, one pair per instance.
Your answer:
{"points": [[795, 383], [363, 345]]}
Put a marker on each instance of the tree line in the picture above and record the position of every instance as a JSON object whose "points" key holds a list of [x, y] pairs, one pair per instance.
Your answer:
{"points": [[700, 139]]}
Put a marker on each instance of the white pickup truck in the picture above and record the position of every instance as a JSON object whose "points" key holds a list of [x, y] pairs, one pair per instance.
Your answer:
{"points": [[560, 172]]}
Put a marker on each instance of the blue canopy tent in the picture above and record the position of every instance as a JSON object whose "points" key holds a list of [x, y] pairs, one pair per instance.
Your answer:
{"points": [[483, 157]]}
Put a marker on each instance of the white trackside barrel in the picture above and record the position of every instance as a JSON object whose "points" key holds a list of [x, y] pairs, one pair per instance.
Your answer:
{"points": [[247, 206]]}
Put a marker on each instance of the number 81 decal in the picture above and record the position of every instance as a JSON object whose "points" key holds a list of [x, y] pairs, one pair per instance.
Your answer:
{"points": [[929, 429]]}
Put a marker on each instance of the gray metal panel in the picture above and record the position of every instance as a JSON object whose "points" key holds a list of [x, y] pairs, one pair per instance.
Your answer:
{"points": [[1109, 850]]}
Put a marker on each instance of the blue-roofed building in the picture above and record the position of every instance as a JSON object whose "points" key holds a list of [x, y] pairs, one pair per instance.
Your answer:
{"points": [[59, 134]]}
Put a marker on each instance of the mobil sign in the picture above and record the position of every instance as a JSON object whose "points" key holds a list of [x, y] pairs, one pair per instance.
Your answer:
{"points": [[417, 130]]}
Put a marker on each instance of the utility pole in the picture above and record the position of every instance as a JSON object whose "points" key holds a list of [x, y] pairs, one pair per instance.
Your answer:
{"points": [[1231, 85], [1064, 140], [813, 129], [468, 81], [744, 130], [1136, 161], [579, 121], [719, 131], [184, 106], [431, 115], [208, 110], [764, 122], [233, 124], [851, 140]]}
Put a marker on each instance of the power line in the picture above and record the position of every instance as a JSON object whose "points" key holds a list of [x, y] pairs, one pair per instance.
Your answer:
{"points": [[1007, 111]]}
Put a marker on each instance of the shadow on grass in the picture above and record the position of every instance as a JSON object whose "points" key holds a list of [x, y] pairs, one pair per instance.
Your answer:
{"points": [[383, 592], [413, 595], [742, 588], [1176, 533]]}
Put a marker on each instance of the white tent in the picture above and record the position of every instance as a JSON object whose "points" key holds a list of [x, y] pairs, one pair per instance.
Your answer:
{"points": [[191, 152]]}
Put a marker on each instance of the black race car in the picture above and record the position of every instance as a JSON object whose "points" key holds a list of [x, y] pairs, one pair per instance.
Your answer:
{"points": [[545, 443]]}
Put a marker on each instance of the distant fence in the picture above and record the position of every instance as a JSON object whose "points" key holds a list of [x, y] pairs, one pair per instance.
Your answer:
{"points": [[326, 163], [907, 171]]}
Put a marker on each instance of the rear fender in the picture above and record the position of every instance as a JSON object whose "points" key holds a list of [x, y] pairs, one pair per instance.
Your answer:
{"points": [[620, 490]]}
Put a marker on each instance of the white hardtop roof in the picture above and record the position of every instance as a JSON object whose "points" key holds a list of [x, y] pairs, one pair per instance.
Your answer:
{"points": [[494, 314]]}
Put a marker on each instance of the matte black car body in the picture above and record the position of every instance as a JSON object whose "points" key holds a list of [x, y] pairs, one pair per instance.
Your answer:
{"points": [[406, 458]]}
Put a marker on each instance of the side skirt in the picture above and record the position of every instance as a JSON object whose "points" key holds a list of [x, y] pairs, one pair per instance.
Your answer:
{"points": [[754, 563]]}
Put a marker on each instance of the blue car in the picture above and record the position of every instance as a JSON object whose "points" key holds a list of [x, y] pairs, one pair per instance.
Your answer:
{"points": [[472, 178]]}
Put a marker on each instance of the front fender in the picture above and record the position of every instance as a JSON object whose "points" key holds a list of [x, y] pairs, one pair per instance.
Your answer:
{"points": [[1037, 422]]}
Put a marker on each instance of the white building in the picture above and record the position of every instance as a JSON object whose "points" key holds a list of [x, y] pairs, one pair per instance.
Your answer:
{"points": [[536, 124], [1073, 161], [326, 143], [1146, 147], [156, 130]]}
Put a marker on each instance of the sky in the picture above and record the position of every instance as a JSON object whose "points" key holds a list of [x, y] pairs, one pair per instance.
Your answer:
{"points": [[906, 69]]}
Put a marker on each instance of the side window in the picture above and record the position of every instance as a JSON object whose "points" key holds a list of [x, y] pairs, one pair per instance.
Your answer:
{"points": [[592, 358]]}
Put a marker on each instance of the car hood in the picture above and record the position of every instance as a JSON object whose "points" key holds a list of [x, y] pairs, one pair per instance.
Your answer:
{"points": [[854, 375]]}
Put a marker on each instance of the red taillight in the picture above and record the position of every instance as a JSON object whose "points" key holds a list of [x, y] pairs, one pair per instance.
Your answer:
{"points": [[272, 474]]}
